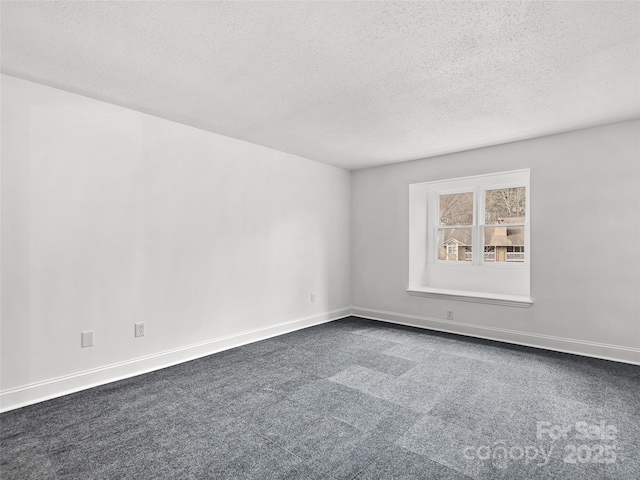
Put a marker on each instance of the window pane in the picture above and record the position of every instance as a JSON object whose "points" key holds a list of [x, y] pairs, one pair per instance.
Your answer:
{"points": [[456, 209], [454, 244], [505, 205], [504, 244]]}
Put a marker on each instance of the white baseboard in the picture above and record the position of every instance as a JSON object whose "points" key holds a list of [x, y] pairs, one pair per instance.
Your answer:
{"points": [[17, 397], [559, 344]]}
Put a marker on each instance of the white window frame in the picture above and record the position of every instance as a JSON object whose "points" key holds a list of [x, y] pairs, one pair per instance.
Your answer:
{"points": [[505, 283]]}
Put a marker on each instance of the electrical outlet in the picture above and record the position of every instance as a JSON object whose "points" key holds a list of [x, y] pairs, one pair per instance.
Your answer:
{"points": [[87, 339], [449, 314], [313, 297], [139, 332]]}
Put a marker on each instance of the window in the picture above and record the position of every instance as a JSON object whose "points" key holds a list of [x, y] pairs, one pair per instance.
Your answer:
{"points": [[502, 215], [454, 217], [469, 237]]}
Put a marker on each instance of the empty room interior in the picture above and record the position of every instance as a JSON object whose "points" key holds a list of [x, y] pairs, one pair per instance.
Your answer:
{"points": [[320, 240]]}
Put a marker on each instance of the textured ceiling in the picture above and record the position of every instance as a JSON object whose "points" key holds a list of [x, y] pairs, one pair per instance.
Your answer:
{"points": [[352, 84]]}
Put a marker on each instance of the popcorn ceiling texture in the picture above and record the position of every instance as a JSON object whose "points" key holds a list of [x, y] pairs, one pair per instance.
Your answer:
{"points": [[353, 84]]}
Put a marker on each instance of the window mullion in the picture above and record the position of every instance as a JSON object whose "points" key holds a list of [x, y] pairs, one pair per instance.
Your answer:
{"points": [[477, 247], [437, 218]]}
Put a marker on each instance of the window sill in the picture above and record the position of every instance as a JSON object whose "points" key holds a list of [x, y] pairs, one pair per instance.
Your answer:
{"points": [[476, 297]]}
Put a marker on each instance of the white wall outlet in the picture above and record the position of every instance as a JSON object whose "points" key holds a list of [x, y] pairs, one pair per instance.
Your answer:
{"points": [[139, 331], [313, 297], [87, 339], [449, 314]]}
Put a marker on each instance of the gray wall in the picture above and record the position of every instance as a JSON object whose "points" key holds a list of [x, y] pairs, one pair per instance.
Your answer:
{"points": [[585, 215]]}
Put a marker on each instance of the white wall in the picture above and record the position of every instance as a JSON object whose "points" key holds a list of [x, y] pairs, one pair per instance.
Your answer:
{"points": [[585, 217], [111, 216]]}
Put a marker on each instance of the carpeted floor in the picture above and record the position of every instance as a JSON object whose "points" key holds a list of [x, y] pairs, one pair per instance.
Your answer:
{"points": [[349, 399]]}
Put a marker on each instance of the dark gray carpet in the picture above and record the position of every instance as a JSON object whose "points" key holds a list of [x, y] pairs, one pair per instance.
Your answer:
{"points": [[349, 399]]}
